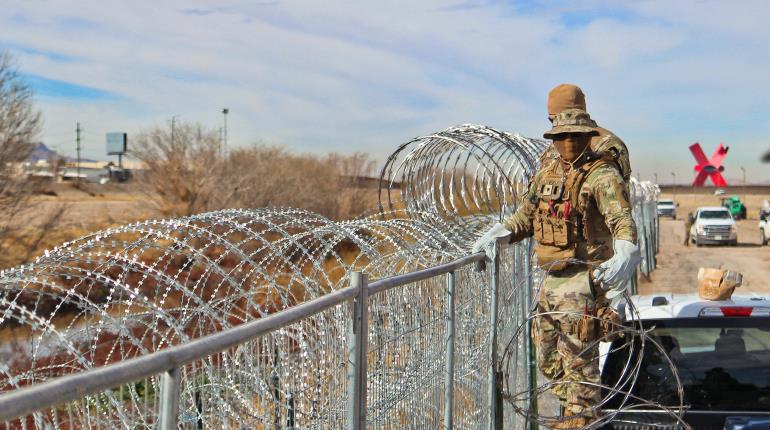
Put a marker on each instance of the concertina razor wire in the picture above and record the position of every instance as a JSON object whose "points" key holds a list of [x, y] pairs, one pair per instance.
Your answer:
{"points": [[131, 290]]}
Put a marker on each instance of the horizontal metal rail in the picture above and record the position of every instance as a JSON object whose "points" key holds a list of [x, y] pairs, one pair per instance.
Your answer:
{"points": [[78, 385], [421, 275]]}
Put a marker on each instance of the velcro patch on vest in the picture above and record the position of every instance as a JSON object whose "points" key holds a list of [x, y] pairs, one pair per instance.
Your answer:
{"points": [[550, 191]]}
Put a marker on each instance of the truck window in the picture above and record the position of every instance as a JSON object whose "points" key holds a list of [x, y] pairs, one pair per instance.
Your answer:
{"points": [[724, 365], [714, 215]]}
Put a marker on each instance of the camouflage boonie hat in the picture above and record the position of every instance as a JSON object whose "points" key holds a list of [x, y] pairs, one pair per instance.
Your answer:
{"points": [[572, 121]]}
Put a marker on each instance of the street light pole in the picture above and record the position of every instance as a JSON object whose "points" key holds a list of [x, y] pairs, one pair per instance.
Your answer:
{"points": [[173, 127], [743, 169], [225, 111], [673, 178], [656, 177]]}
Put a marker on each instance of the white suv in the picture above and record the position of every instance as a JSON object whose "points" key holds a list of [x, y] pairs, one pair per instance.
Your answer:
{"points": [[667, 208], [719, 349], [713, 225]]}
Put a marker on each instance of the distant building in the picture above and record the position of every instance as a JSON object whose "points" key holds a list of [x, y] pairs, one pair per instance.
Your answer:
{"points": [[46, 163]]}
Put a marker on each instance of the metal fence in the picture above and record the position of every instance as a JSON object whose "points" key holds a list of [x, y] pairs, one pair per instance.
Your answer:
{"points": [[644, 199], [392, 361]]}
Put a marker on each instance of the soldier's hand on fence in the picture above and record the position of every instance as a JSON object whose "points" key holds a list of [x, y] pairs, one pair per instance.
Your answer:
{"points": [[487, 242], [613, 275]]}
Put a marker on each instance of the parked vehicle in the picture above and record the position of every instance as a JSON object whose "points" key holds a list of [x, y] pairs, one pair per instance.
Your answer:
{"points": [[735, 206], [764, 228], [720, 354], [713, 225], [667, 208]]}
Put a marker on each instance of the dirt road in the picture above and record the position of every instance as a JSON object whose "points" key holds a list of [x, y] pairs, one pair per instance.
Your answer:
{"points": [[678, 265]]}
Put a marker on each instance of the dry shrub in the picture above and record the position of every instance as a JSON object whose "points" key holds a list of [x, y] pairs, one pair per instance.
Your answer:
{"points": [[186, 174], [270, 176]]}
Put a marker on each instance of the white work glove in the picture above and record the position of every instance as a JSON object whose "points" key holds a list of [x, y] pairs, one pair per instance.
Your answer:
{"points": [[487, 242], [614, 274]]}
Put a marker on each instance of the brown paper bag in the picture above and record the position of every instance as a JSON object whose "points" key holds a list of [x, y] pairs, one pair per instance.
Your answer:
{"points": [[717, 284]]}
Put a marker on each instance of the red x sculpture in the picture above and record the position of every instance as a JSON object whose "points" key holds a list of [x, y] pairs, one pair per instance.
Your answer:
{"points": [[712, 168]]}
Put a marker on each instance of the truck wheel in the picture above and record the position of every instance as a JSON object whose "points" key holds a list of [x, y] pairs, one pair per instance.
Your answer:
{"points": [[734, 242], [762, 238], [697, 243]]}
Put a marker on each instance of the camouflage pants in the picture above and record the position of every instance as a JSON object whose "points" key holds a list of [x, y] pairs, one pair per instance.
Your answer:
{"points": [[562, 356]]}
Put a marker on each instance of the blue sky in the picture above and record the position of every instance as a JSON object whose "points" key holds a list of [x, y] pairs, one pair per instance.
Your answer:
{"points": [[366, 76]]}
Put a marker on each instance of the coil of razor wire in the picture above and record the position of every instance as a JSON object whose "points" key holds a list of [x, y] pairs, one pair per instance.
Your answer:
{"points": [[131, 290], [463, 174]]}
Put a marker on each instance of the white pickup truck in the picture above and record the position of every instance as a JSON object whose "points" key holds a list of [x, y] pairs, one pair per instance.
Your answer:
{"points": [[713, 225]]}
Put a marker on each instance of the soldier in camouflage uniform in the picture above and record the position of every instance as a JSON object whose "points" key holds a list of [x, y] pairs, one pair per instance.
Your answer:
{"points": [[578, 211]]}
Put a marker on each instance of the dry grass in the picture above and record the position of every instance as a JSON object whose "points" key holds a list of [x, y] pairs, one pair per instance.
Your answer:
{"points": [[269, 176]]}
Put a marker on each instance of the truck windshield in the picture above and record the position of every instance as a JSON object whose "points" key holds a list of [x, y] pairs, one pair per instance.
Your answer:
{"points": [[665, 202], [723, 364], [715, 215]]}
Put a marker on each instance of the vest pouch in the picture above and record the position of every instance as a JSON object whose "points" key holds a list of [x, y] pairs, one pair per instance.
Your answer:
{"points": [[554, 258], [610, 328], [586, 328], [550, 230]]}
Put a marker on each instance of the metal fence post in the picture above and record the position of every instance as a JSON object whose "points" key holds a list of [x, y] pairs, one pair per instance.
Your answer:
{"points": [[450, 352], [169, 399], [530, 346], [358, 329], [492, 381]]}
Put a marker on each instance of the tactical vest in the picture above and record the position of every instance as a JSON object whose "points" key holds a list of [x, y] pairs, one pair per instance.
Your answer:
{"points": [[564, 225]]}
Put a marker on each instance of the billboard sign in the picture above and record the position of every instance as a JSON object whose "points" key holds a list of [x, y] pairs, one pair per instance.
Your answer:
{"points": [[117, 143]]}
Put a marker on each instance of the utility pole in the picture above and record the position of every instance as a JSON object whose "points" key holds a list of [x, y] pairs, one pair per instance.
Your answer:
{"points": [[656, 177], [173, 123], [77, 141], [743, 169], [673, 178], [225, 111]]}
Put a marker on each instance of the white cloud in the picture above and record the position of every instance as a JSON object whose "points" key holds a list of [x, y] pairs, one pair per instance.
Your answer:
{"points": [[345, 76]]}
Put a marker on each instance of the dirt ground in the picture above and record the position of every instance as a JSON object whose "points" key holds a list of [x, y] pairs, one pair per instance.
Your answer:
{"points": [[90, 206], [85, 209], [678, 265]]}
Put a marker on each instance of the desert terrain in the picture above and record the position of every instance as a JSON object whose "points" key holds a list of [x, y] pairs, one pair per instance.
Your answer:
{"points": [[678, 264]]}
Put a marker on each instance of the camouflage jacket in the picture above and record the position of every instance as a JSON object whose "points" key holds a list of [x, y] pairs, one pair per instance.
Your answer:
{"points": [[599, 211]]}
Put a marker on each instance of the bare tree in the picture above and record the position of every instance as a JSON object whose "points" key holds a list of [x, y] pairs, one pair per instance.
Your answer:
{"points": [[20, 125], [183, 167]]}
